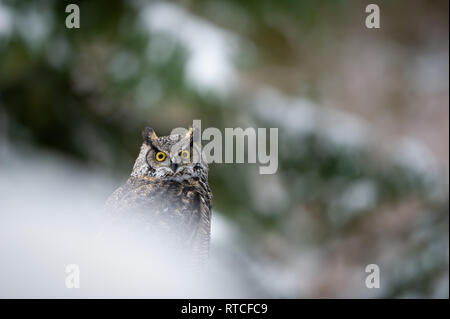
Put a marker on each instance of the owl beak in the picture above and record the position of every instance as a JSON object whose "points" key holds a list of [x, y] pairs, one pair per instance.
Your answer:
{"points": [[173, 166]]}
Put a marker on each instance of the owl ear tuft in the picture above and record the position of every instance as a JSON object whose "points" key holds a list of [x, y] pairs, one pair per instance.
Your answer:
{"points": [[148, 134], [189, 132]]}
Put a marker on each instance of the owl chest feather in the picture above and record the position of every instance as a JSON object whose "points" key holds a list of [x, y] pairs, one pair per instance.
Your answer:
{"points": [[180, 207]]}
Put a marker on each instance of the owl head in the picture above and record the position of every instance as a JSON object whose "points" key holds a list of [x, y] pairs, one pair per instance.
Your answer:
{"points": [[174, 156]]}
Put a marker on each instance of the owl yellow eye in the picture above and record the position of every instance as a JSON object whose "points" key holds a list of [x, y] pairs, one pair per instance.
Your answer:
{"points": [[160, 156], [184, 154]]}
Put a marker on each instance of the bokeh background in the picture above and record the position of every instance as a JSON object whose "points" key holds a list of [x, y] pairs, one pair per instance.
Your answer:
{"points": [[363, 119]]}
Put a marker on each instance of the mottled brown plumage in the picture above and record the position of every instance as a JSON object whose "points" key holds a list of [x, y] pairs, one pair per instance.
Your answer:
{"points": [[169, 197]]}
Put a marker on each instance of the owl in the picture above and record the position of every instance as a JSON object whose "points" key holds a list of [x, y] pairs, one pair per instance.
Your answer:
{"points": [[167, 193]]}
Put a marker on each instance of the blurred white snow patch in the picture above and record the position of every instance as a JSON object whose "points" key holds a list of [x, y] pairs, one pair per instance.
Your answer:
{"points": [[300, 116], [417, 157], [5, 20], [50, 217], [268, 193], [343, 128], [34, 25], [210, 48], [221, 229], [296, 116], [359, 195]]}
